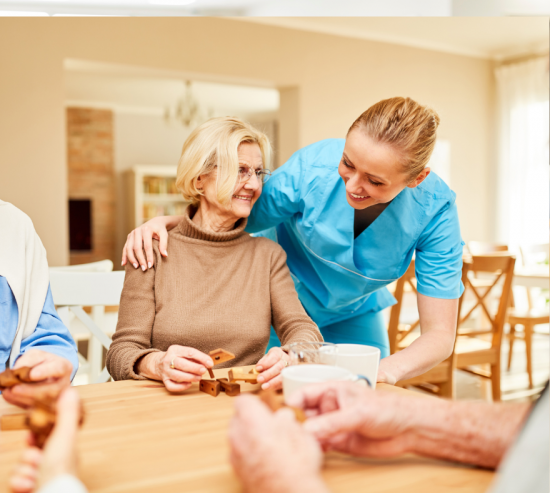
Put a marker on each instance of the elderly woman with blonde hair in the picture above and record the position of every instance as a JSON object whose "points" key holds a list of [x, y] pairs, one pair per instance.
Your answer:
{"points": [[220, 287]]}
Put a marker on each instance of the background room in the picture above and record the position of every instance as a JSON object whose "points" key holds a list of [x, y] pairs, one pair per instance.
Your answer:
{"points": [[90, 126]]}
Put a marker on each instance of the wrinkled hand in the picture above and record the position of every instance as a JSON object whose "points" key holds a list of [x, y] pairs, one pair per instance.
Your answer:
{"points": [[270, 367], [142, 239], [358, 421], [37, 467], [190, 364], [48, 369], [271, 452]]}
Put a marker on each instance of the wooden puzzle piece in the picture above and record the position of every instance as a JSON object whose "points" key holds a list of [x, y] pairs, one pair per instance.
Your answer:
{"points": [[14, 422], [275, 401], [9, 377], [211, 387], [221, 356], [231, 389], [40, 419], [211, 373], [236, 375]]}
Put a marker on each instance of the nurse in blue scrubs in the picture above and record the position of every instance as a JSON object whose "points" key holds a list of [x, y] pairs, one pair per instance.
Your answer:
{"points": [[351, 214]]}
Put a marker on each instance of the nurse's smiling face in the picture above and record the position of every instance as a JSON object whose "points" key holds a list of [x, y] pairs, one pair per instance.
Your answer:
{"points": [[372, 171]]}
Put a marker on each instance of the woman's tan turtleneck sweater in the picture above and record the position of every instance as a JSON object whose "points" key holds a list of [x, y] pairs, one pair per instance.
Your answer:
{"points": [[214, 290]]}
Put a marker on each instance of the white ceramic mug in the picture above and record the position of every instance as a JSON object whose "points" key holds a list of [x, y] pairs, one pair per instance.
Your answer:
{"points": [[296, 377], [359, 360]]}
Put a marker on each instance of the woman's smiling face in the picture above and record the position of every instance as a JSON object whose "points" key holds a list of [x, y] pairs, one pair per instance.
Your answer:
{"points": [[372, 171]]}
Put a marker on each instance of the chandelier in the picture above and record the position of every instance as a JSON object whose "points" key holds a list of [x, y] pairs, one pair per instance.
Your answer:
{"points": [[187, 111]]}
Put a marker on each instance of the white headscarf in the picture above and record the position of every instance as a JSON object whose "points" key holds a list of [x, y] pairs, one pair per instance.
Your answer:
{"points": [[24, 265]]}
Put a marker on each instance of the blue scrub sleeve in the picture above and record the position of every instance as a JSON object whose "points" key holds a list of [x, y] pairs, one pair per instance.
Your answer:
{"points": [[280, 197], [52, 336], [438, 263]]}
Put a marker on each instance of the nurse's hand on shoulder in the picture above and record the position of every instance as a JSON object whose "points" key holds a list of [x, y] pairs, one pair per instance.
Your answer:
{"points": [[48, 369], [270, 367], [141, 239], [177, 368], [355, 420]]}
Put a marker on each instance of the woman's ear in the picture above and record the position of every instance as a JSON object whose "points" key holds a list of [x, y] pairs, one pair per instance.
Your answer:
{"points": [[198, 182], [420, 178]]}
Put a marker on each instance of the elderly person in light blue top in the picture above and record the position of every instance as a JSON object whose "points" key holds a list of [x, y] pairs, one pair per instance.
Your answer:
{"points": [[31, 332], [350, 215]]}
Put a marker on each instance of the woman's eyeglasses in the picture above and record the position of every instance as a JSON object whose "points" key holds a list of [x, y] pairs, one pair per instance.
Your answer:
{"points": [[261, 174]]}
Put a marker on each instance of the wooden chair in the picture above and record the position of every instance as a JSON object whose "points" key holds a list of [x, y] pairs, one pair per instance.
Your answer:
{"points": [[472, 351], [72, 290], [439, 380], [530, 316]]}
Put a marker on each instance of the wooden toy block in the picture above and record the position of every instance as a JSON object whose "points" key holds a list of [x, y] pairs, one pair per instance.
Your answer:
{"points": [[275, 401], [42, 416], [211, 387], [236, 375], [14, 422], [211, 373], [221, 356], [9, 378], [231, 389], [254, 371]]}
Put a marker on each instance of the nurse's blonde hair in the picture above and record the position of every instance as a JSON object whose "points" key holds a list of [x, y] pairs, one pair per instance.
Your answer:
{"points": [[404, 124], [215, 145]]}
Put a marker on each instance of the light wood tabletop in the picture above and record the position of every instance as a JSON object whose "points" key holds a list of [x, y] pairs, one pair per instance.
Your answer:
{"points": [[138, 438]]}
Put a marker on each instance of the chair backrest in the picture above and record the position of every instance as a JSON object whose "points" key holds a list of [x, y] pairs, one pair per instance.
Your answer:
{"points": [[396, 333], [484, 247], [501, 270], [86, 288], [101, 266]]}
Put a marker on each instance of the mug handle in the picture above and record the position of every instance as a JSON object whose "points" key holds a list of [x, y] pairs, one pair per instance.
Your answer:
{"points": [[363, 377]]}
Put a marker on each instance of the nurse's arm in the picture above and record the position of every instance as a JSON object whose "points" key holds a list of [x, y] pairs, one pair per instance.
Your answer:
{"points": [[438, 318]]}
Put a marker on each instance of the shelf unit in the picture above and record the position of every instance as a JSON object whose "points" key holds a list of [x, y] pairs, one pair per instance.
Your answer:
{"points": [[151, 192]]}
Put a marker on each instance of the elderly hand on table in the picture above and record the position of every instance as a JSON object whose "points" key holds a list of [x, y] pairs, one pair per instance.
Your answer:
{"points": [[47, 369], [270, 367], [352, 419], [177, 368], [271, 452], [56, 465]]}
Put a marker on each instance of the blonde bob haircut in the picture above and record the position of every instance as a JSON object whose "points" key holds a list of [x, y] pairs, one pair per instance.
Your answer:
{"points": [[215, 145], [404, 124]]}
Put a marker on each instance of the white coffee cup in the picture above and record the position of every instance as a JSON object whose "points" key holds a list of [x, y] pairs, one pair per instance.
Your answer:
{"points": [[296, 377], [359, 360]]}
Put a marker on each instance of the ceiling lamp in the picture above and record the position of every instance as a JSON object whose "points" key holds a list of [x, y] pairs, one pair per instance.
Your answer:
{"points": [[188, 111]]}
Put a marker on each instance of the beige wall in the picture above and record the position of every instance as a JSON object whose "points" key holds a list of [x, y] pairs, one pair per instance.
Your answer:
{"points": [[331, 80]]}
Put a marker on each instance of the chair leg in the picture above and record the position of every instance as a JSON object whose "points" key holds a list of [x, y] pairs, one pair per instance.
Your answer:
{"points": [[495, 381], [529, 351], [512, 338]]}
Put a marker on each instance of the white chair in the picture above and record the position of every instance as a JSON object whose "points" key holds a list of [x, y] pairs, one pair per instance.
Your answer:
{"points": [[71, 290], [101, 266]]}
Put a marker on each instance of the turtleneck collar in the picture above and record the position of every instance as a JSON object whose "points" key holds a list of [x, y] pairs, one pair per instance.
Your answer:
{"points": [[189, 229]]}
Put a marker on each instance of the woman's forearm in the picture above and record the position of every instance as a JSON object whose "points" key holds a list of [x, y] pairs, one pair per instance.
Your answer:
{"points": [[147, 366], [422, 355], [469, 432], [438, 327]]}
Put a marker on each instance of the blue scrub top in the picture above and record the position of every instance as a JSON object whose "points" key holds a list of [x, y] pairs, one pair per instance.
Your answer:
{"points": [[50, 334], [337, 276]]}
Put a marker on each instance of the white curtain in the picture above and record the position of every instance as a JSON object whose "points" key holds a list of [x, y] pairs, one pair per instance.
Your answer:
{"points": [[523, 161]]}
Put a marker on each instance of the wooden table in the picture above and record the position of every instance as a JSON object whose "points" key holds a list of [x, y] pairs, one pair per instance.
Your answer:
{"points": [[537, 276], [138, 438]]}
